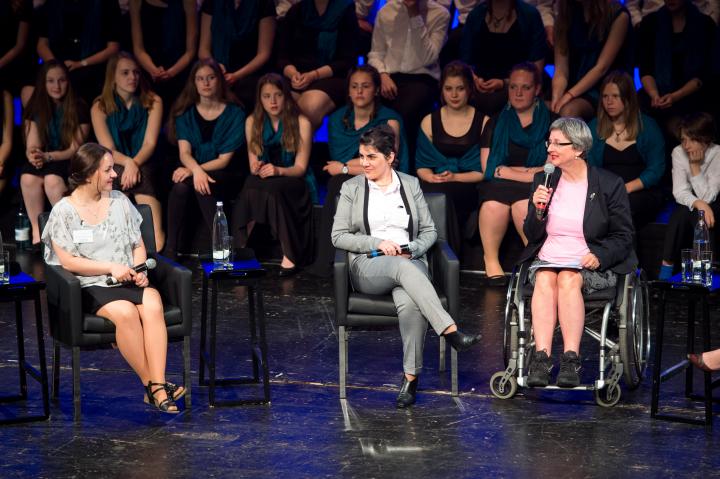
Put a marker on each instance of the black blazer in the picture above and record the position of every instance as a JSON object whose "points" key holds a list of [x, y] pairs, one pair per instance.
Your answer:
{"points": [[607, 223]]}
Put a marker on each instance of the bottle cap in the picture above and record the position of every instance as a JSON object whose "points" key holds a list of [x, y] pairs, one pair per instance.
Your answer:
{"points": [[219, 203]]}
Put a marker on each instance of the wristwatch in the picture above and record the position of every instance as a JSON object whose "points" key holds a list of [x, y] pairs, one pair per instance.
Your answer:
{"points": [[345, 170]]}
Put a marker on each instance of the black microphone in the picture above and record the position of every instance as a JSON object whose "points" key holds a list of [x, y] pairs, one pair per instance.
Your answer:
{"points": [[404, 249], [541, 209], [140, 268]]}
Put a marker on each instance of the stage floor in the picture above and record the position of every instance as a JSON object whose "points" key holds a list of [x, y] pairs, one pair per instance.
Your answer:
{"points": [[308, 432]]}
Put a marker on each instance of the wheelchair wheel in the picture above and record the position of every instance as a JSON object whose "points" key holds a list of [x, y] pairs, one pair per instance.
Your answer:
{"points": [[503, 391], [511, 312], [607, 397], [635, 343]]}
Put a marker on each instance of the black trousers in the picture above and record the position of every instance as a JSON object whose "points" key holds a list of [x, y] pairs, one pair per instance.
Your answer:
{"points": [[680, 228]]}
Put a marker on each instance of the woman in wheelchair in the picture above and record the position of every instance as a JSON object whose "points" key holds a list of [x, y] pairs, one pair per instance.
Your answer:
{"points": [[385, 211], [94, 233], [580, 232]]}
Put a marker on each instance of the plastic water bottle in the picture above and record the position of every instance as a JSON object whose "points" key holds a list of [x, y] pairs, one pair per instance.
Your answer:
{"points": [[22, 230], [4, 275], [701, 244], [220, 248]]}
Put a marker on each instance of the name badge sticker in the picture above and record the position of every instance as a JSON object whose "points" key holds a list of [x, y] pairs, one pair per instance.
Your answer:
{"points": [[82, 236]]}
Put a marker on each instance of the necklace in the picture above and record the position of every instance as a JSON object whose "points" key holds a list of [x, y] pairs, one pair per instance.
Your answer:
{"points": [[497, 22], [618, 133]]}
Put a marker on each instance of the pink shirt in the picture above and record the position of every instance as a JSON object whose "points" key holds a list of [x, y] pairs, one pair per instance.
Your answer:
{"points": [[565, 243]]}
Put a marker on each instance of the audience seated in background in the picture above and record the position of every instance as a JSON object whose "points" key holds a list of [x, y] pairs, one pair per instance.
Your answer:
{"points": [[316, 48], [6, 137], [239, 35], [696, 182], [592, 37], [82, 35], [363, 111], [578, 246], [16, 66], [512, 152], [126, 119], [56, 124], [639, 9], [675, 63], [164, 37], [208, 126], [630, 144], [406, 44], [280, 189], [448, 150], [499, 34]]}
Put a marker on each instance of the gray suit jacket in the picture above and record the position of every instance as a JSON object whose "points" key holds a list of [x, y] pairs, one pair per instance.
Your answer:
{"points": [[351, 229]]}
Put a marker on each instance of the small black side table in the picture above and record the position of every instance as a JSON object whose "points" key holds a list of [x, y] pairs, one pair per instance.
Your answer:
{"points": [[22, 287], [692, 293], [247, 273]]}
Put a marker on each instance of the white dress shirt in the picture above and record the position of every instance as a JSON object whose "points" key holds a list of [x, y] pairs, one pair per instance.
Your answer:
{"points": [[401, 44], [387, 216], [704, 186]]}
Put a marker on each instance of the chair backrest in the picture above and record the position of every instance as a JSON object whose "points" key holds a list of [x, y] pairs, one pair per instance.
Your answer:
{"points": [[147, 229], [436, 204]]}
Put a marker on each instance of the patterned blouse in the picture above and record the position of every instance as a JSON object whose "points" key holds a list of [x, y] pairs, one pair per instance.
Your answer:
{"points": [[113, 239]]}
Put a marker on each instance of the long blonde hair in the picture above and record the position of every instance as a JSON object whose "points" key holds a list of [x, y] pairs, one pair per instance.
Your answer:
{"points": [[106, 100], [288, 117]]}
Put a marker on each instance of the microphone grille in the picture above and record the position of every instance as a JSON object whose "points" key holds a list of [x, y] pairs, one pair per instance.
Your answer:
{"points": [[151, 263], [549, 168]]}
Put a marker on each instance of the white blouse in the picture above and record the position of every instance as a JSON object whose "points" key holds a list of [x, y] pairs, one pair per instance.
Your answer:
{"points": [[387, 217], [704, 186]]}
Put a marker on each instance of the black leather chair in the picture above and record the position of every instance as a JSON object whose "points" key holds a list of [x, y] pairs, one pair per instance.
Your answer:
{"points": [[358, 311], [72, 328]]}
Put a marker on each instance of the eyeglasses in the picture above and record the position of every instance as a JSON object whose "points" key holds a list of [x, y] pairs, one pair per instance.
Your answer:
{"points": [[557, 144]]}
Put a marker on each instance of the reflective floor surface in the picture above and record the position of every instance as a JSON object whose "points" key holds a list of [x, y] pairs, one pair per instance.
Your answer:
{"points": [[307, 431]]}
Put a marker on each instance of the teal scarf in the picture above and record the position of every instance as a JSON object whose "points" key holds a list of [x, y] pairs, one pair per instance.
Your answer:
{"points": [[343, 141], [127, 126], [272, 140], [427, 156], [327, 25], [230, 25], [508, 129], [227, 136]]}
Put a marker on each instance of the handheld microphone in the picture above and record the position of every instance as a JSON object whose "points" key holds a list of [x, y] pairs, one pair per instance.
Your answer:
{"points": [[541, 209], [404, 249], [140, 268]]}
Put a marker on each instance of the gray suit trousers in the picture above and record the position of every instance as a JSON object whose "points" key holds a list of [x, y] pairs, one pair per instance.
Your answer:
{"points": [[414, 295]]}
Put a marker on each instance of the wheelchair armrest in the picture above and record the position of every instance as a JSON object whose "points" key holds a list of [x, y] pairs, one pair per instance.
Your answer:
{"points": [[342, 277], [446, 275], [174, 282], [64, 301]]}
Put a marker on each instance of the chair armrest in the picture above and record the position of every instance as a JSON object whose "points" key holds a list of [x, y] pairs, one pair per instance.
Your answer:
{"points": [[446, 275], [342, 277], [174, 282], [64, 301]]}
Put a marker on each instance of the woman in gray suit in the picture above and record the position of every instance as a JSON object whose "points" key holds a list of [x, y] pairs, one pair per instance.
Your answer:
{"points": [[385, 210]]}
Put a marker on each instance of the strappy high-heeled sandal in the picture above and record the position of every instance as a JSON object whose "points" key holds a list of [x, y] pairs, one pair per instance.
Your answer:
{"points": [[173, 391], [166, 404]]}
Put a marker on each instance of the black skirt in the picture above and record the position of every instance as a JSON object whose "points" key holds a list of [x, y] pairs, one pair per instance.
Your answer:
{"points": [[283, 203], [335, 88], [505, 191], [143, 187], [58, 168], [461, 203], [95, 297]]}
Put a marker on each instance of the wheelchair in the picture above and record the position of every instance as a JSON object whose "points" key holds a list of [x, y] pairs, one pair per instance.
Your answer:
{"points": [[621, 311]]}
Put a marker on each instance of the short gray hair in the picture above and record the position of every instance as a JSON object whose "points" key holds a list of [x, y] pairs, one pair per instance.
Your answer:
{"points": [[576, 131]]}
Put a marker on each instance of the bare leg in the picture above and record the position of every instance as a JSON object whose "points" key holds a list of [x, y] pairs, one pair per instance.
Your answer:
{"points": [[544, 308], [25, 94], [34, 198], [712, 359], [156, 209], [154, 334], [315, 104], [493, 220], [579, 107], [571, 309], [519, 211], [286, 263], [55, 188]]}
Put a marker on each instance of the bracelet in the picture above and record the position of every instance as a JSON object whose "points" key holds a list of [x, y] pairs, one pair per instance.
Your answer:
{"points": [[571, 95], [84, 62]]}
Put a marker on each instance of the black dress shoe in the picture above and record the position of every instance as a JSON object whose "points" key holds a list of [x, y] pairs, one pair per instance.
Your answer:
{"points": [[285, 272], [407, 393], [460, 341]]}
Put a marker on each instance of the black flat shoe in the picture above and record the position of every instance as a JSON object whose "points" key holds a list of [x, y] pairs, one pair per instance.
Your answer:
{"points": [[461, 341], [285, 272], [407, 393]]}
